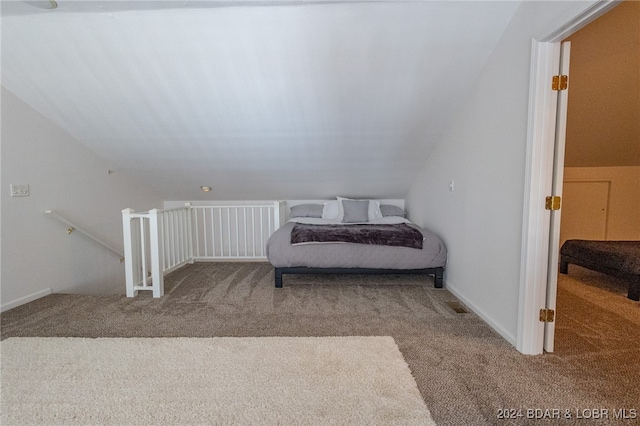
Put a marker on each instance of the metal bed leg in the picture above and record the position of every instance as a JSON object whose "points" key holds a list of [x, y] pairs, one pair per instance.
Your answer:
{"points": [[634, 289], [439, 278]]}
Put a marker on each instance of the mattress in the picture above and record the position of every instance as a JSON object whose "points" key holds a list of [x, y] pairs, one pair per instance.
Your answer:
{"points": [[282, 254]]}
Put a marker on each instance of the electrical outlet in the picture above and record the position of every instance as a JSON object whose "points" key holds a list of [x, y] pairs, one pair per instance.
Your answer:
{"points": [[20, 190], [452, 185]]}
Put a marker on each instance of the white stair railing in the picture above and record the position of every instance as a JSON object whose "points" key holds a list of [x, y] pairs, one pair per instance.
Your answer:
{"points": [[233, 232], [159, 238], [168, 239], [174, 236]]}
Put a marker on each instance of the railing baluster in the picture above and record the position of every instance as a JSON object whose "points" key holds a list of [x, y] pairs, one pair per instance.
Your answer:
{"points": [[253, 230], [171, 257], [220, 235], [181, 235], [262, 229], [197, 233], [204, 229], [213, 241], [237, 234], [245, 249], [174, 241], [229, 236]]}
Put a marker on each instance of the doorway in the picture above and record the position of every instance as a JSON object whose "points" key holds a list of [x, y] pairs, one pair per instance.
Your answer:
{"points": [[537, 235], [539, 242], [600, 194]]}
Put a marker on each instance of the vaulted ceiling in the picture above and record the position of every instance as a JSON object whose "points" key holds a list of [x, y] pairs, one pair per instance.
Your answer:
{"points": [[260, 99]]}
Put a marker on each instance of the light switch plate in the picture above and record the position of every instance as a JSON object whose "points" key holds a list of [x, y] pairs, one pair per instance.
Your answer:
{"points": [[20, 190]]}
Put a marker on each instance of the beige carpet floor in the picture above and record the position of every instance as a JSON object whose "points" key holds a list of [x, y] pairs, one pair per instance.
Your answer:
{"points": [[208, 381], [466, 373]]}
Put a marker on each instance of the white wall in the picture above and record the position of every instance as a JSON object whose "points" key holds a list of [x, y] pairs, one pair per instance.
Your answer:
{"points": [[623, 216], [38, 256], [484, 151]]}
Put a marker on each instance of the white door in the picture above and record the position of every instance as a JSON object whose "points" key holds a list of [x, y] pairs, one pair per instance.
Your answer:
{"points": [[556, 189], [584, 210]]}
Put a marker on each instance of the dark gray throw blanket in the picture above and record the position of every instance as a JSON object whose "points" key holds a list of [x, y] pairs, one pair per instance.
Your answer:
{"points": [[398, 234]]}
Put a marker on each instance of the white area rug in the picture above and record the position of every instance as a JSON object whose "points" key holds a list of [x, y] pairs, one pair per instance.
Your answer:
{"points": [[222, 380]]}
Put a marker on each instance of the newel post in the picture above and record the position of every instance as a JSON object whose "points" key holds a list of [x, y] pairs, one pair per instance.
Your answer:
{"points": [[157, 254], [128, 252], [190, 213], [278, 214]]}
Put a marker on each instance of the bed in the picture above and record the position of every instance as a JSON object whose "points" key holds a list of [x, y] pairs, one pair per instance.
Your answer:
{"points": [[617, 258], [290, 253]]}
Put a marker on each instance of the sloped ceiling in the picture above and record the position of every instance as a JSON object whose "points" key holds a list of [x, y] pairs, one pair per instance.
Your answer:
{"points": [[259, 100]]}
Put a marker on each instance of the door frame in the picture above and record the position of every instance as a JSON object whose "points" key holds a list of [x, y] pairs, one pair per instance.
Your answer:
{"points": [[539, 163]]}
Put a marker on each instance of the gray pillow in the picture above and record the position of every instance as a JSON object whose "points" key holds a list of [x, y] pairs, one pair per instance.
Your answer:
{"points": [[306, 210], [389, 210], [355, 211]]}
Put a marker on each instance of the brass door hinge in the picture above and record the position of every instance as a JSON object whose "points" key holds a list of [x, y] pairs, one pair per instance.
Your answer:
{"points": [[547, 315], [560, 82], [552, 203]]}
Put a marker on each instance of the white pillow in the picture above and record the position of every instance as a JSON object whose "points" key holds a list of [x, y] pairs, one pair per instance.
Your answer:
{"points": [[331, 210], [341, 208], [373, 212]]}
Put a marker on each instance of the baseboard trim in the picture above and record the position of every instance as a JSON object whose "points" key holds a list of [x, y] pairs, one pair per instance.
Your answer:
{"points": [[26, 299], [495, 326]]}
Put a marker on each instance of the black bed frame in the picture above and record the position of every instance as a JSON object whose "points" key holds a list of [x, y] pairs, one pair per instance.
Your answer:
{"points": [[633, 280], [438, 273]]}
